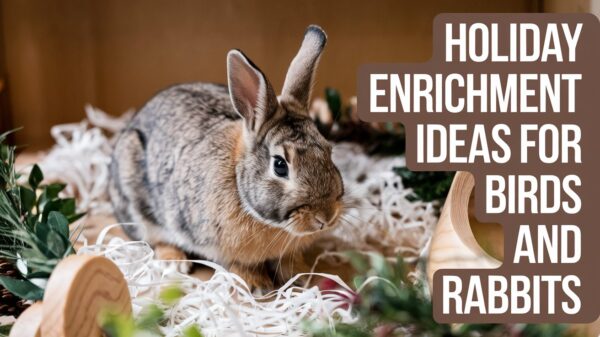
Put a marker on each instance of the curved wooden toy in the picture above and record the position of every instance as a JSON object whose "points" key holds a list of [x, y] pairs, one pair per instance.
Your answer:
{"points": [[28, 324], [453, 244], [458, 239], [79, 289]]}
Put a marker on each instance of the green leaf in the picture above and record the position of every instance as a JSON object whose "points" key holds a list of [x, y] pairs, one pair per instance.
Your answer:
{"points": [[8, 214], [170, 295], [5, 329], [150, 317], [427, 186], [38, 274], [41, 231], [68, 206], [358, 261], [49, 193], [52, 190], [58, 223], [74, 217], [64, 206], [27, 199], [30, 220], [4, 152], [380, 265], [192, 331], [334, 101], [22, 288], [50, 206], [33, 254], [117, 325], [6, 133], [35, 177], [56, 244]]}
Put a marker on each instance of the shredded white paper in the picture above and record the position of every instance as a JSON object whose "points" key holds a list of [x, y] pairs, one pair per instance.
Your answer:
{"points": [[381, 219], [223, 305], [81, 157], [383, 212]]}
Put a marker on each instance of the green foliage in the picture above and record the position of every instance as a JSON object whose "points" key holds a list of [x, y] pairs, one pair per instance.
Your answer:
{"points": [[22, 288], [387, 139], [170, 295], [35, 177], [427, 186], [390, 304], [117, 325], [34, 225], [148, 322], [192, 331], [5, 330], [384, 141], [334, 101], [341, 330]]}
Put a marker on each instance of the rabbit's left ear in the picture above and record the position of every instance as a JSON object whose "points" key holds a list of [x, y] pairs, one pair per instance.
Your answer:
{"points": [[300, 76], [251, 93]]}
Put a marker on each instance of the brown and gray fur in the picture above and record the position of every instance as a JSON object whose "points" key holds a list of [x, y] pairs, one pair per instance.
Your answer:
{"points": [[194, 167]]}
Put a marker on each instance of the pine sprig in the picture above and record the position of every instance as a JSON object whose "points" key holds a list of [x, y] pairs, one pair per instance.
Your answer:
{"points": [[34, 226]]}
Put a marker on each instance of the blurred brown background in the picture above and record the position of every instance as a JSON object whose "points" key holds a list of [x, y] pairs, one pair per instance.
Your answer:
{"points": [[55, 56]]}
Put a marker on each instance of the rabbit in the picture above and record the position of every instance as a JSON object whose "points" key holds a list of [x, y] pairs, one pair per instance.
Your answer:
{"points": [[234, 174]]}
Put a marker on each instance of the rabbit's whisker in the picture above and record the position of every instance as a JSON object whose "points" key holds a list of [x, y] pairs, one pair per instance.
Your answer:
{"points": [[293, 258], [270, 225], [347, 222], [352, 224], [289, 240], [374, 208], [277, 237], [355, 217]]}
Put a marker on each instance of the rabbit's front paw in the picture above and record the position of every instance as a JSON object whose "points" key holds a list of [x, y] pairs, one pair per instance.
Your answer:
{"points": [[172, 258], [256, 278]]}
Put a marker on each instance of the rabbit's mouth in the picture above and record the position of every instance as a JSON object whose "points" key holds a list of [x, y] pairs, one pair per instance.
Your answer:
{"points": [[304, 221]]}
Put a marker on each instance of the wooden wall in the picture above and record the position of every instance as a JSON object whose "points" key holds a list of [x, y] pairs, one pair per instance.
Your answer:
{"points": [[5, 114], [116, 54]]}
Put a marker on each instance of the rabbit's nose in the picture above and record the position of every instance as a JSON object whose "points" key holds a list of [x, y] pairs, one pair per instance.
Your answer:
{"points": [[320, 222], [326, 217]]}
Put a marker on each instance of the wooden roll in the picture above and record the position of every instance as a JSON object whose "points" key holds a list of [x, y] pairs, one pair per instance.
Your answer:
{"points": [[78, 290], [453, 244], [28, 324]]}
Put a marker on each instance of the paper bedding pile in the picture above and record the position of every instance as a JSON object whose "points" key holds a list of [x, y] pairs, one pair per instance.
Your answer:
{"points": [[384, 221]]}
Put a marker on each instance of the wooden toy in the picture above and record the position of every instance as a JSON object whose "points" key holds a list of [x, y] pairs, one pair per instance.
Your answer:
{"points": [[80, 288]]}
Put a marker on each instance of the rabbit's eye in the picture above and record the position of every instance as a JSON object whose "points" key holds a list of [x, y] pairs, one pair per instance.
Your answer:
{"points": [[280, 167]]}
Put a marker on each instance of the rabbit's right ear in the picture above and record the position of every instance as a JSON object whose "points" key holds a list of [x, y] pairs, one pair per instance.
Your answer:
{"points": [[299, 80], [251, 93]]}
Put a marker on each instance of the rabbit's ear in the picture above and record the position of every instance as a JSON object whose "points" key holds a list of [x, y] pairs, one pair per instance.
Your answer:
{"points": [[251, 93], [299, 79]]}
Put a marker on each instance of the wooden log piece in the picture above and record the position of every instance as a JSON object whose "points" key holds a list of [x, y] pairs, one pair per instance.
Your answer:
{"points": [[79, 289], [28, 324]]}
